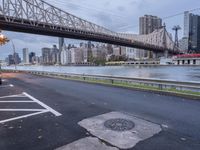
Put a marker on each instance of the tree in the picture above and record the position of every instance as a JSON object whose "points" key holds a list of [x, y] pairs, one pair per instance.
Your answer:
{"points": [[3, 39]]}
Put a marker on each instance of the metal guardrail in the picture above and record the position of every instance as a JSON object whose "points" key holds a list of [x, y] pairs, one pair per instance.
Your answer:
{"points": [[158, 83]]}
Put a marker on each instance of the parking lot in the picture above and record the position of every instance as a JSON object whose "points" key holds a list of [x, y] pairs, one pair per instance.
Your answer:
{"points": [[21, 105]]}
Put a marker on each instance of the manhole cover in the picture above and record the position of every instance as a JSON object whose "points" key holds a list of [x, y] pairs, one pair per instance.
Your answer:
{"points": [[119, 124]]}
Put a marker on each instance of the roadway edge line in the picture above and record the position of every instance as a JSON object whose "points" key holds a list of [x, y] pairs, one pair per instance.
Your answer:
{"points": [[57, 114]]}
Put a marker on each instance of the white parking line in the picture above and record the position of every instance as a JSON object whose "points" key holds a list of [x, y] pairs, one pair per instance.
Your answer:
{"points": [[24, 116], [31, 99], [10, 85], [43, 105], [10, 96], [28, 110], [17, 102]]}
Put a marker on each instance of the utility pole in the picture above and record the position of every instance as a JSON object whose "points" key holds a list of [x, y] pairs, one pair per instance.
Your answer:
{"points": [[176, 29]]}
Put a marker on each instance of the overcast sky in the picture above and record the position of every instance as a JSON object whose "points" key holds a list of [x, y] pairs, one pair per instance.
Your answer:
{"points": [[117, 15]]}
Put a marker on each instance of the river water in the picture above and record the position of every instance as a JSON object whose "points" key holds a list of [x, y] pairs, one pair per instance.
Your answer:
{"points": [[175, 73]]}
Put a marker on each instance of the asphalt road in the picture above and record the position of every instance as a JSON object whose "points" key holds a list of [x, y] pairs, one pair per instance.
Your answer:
{"points": [[179, 118]]}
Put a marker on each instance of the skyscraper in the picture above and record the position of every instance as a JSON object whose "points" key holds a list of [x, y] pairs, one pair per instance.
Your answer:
{"points": [[187, 17], [46, 55], [25, 56], [11, 60], [148, 24], [16, 58], [32, 57], [61, 43], [55, 55], [65, 56], [192, 31]]}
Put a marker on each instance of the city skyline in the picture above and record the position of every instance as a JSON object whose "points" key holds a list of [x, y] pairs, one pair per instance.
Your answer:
{"points": [[36, 42]]}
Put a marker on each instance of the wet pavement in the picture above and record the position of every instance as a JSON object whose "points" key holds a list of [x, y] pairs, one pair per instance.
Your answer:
{"points": [[40, 113]]}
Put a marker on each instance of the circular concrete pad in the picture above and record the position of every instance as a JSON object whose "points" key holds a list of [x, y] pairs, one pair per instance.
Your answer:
{"points": [[119, 124]]}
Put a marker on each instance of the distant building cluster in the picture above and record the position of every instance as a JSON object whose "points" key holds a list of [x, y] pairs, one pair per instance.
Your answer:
{"points": [[13, 59], [84, 54], [28, 58]]}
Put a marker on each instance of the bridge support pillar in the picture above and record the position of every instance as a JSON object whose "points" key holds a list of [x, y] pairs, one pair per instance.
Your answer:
{"points": [[155, 55], [166, 54]]}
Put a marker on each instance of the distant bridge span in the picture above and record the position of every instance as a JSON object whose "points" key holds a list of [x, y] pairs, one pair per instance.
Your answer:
{"points": [[39, 17]]}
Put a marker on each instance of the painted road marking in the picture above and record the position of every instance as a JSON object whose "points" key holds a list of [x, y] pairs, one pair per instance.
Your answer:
{"points": [[17, 102], [10, 85], [43, 105], [27, 110], [24, 116], [31, 99], [10, 96]]}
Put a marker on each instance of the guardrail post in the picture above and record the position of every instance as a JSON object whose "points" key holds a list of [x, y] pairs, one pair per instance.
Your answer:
{"points": [[112, 81], [160, 87]]}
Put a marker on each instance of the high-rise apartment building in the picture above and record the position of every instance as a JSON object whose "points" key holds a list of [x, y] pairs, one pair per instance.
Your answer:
{"points": [[61, 43], [11, 60], [25, 56], [65, 56], [46, 55], [32, 57], [76, 55], [187, 17], [192, 31], [148, 24], [55, 55], [16, 58]]}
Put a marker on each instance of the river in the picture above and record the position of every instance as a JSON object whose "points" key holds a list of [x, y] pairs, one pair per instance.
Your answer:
{"points": [[175, 73]]}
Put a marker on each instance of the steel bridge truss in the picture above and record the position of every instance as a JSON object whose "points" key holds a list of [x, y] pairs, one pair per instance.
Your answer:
{"points": [[40, 17]]}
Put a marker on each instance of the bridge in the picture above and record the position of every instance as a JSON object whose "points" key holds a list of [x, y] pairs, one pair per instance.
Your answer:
{"points": [[40, 17]]}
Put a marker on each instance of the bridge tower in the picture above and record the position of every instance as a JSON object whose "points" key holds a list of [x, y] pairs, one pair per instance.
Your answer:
{"points": [[176, 29], [166, 52]]}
